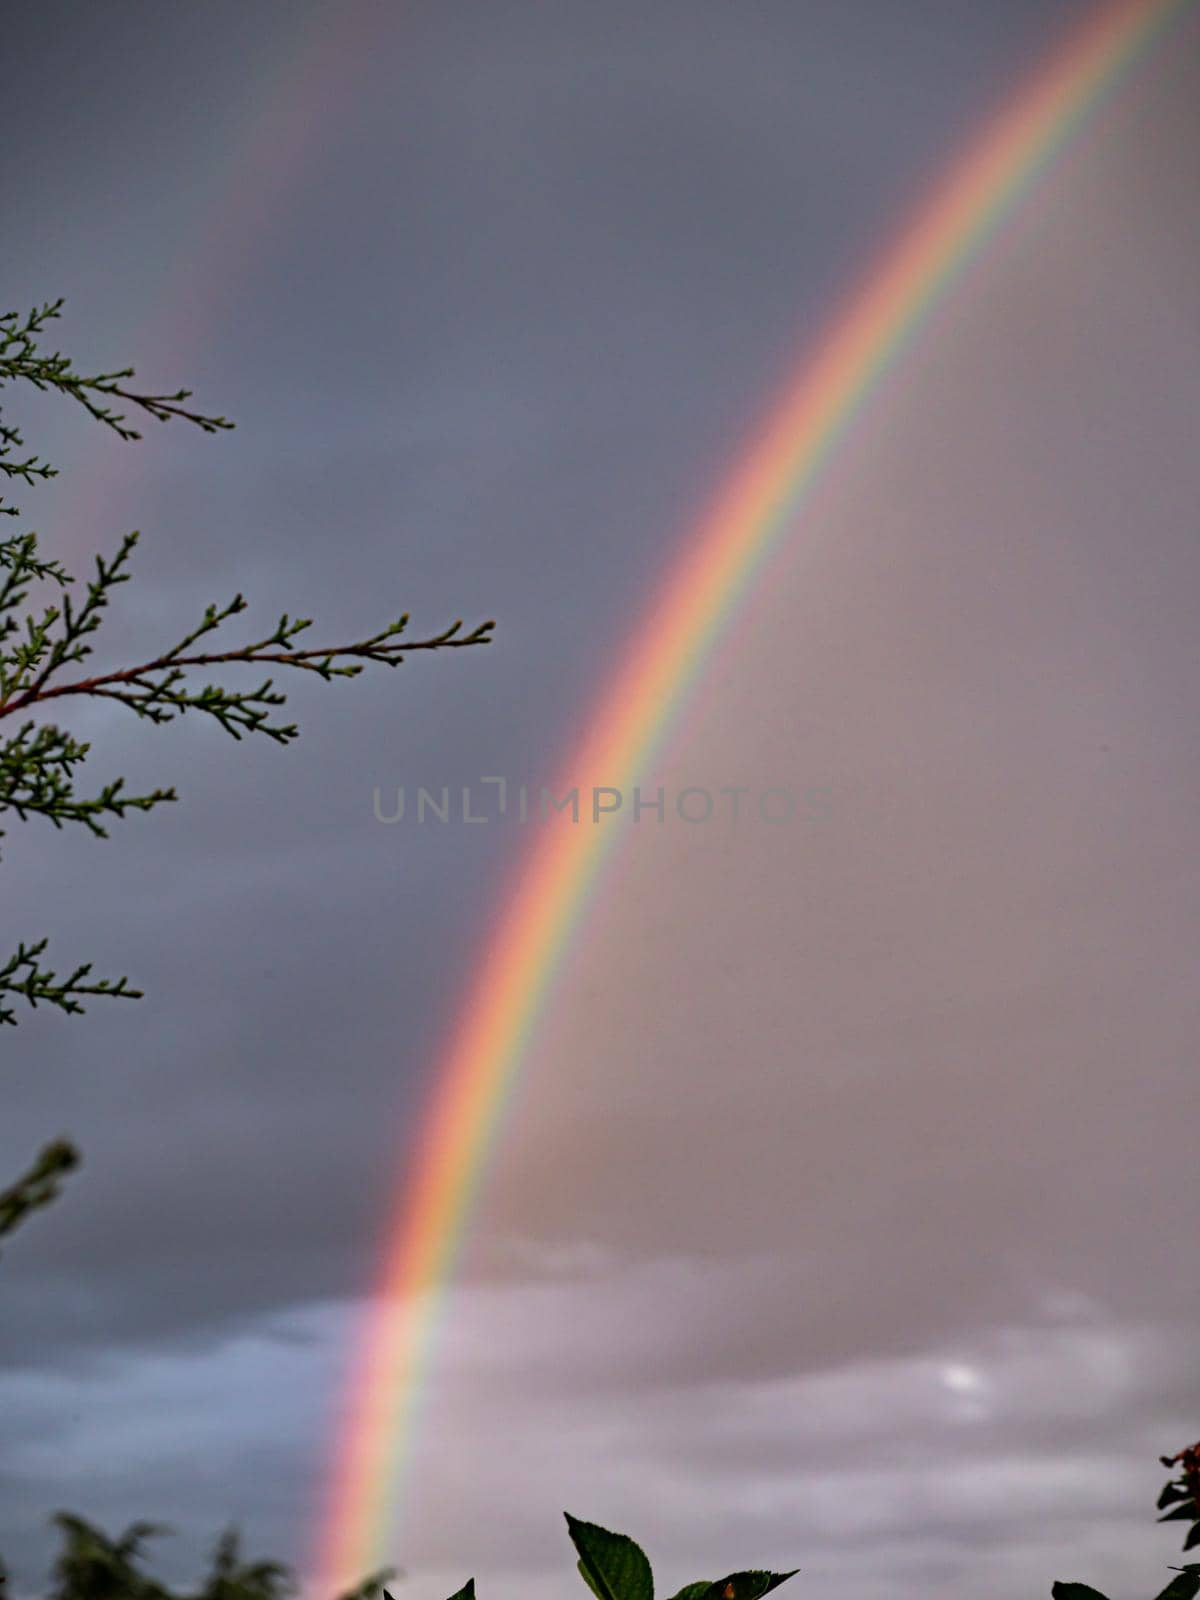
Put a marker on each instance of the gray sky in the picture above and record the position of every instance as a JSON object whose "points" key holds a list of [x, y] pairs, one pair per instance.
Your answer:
{"points": [[838, 1219]]}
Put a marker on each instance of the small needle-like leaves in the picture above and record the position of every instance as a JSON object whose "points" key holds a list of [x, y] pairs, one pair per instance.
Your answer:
{"points": [[42, 652]]}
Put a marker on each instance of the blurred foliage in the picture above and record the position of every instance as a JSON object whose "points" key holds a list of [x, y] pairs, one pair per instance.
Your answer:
{"points": [[38, 1186], [91, 1566]]}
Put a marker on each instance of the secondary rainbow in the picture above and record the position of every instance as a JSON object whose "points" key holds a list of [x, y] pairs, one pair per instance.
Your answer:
{"points": [[757, 506], [257, 151]]}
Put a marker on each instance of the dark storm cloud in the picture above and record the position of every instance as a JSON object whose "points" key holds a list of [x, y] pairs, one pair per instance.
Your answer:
{"points": [[532, 448], [523, 291]]}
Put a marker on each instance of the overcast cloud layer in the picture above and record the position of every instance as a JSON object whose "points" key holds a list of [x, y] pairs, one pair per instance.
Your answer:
{"points": [[841, 1218]]}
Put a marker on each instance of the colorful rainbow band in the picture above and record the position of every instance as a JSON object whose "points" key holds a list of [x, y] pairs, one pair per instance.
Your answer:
{"points": [[714, 572]]}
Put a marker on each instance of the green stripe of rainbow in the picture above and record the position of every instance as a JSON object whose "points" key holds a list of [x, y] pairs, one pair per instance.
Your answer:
{"points": [[714, 572]]}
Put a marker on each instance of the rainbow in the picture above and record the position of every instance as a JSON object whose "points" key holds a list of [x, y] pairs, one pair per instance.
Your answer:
{"points": [[757, 506], [261, 150]]}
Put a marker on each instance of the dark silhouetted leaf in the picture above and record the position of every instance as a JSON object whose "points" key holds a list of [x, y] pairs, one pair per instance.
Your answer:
{"points": [[613, 1566], [1171, 1493], [1185, 1587], [1184, 1512], [747, 1585]]}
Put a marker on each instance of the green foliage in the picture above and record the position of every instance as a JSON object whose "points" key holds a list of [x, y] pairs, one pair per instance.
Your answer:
{"points": [[615, 1568], [1182, 1493], [92, 1566], [231, 1579], [38, 1186], [747, 1585]]}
